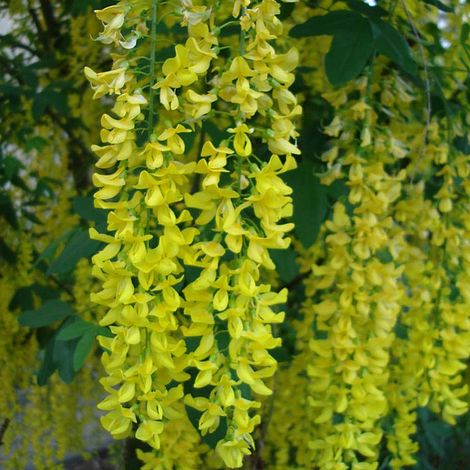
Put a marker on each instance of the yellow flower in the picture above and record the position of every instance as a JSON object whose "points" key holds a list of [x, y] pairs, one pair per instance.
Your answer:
{"points": [[241, 142]]}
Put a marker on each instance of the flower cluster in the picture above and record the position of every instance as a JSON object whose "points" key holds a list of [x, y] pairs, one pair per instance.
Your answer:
{"points": [[183, 262], [383, 329]]}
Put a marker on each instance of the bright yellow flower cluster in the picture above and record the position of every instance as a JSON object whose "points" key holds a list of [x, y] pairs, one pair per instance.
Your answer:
{"points": [[182, 268]]}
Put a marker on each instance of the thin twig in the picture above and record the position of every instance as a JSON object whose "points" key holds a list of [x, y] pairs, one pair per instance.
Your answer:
{"points": [[153, 46], [197, 177], [427, 83]]}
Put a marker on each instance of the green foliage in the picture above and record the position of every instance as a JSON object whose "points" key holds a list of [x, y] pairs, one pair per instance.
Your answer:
{"points": [[442, 446], [350, 50], [83, 206], [49, 312], [440, 5], [357, 36], [78, 246], [24, 296], [392, 44], [286, 264], [67, 347], [310, 202]]}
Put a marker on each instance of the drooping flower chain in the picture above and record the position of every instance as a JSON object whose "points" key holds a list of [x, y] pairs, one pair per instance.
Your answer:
{"points": [[155, 310]]}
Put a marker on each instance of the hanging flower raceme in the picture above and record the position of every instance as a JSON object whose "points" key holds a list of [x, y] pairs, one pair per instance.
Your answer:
{"points": [[183, 289], [139, 265], [228, 304]]}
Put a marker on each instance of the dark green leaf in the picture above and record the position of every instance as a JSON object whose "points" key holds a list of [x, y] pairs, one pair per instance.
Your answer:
{"points": [[462, 144], [7, 253], [45, 292], [165, 53], [64, 353], [49, 312], [24, 299], [77, 247], [438, 4], [75, 329], [36, 143], [286, 264], [11, 167], [84, 347], [286, 10], [332, 23], [84, 207], [51, 249], [310, 202], [350, 50], [384, 255], [192, 343], [361, 7], [464, 33], [210, 439], [391, 43], [48, 367], [222, 338], [19, 183], [31, 217], [52, 97], [216, 134], [280, 354], [8, 211]]}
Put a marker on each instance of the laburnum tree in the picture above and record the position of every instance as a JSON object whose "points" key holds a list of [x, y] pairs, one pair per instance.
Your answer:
{"points": [[235, 234]]}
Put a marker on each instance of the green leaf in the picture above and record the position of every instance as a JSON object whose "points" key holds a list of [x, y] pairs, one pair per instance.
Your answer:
{"points": [[49, 312], [24, 299], [11, 167], [48, 367], [286, 264], [84, 207], [192, 343], [31, 217], [51, 249], [330, 24], [76, 329], [63, 356], [216, 134], [280, 354], [350, 50], [83, 349], [310, 202], [462, 144], [464, 33], [35, 143], [210, 439], [384, 256], [439, 5], [361, 7], [7, 210], [286, 10], [391, 43], [77, 247], [7, 253], [222, 338]]}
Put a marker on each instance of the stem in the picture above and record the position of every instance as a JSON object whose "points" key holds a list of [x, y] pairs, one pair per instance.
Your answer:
{"points": [[240, 116], [153, 47], [427, 82]]}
